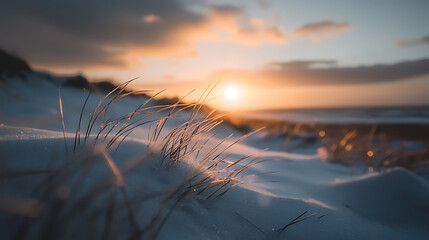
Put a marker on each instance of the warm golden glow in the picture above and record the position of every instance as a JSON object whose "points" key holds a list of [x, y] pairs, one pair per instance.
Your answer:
{"points": [[232, 93], [150, 18], [349, 147]]}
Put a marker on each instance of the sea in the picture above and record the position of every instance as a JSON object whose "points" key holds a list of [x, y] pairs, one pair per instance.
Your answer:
{"points": [[410, 115]]}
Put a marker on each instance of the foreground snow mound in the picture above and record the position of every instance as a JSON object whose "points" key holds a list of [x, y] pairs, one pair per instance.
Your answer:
{"points": [[55, 185], [397, 197]]}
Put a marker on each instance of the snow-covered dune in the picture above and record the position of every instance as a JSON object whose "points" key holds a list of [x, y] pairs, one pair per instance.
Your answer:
{"points": [[50, 191]]}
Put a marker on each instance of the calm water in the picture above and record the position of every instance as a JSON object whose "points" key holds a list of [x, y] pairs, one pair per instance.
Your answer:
{"points": [[346, 115]]}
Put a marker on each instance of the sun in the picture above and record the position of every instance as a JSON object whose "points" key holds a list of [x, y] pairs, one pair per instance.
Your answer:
{"points": [[231, 93]]}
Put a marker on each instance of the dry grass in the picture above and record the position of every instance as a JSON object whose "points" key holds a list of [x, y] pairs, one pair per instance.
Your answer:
{"points": [[379, 146], [296, 220], [80, 200], [377, 152]]}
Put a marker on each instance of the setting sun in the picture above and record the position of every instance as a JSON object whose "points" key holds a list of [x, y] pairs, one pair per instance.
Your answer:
{"points": [[231, 93]]}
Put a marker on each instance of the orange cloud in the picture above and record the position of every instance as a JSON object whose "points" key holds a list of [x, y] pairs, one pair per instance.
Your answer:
{"points": [[257, 31], [120, 35], [321, 29], [230, 23], [306, 73], [413, 42], [150, 18]]}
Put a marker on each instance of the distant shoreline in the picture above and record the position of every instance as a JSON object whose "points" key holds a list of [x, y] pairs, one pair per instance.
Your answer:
{"points": [[339, 116], [404, 131], [339, 108]]}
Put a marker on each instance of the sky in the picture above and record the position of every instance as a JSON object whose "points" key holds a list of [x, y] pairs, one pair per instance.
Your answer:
{"points": [[265, 54]]}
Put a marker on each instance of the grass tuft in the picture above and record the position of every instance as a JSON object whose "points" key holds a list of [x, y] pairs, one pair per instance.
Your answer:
{"points": [[89, 185]]}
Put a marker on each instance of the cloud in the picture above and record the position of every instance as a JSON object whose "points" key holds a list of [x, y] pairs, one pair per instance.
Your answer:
{"points": [[257, 30], [46, 45], [264, 4], [150, 18], [323, 72], [321, 29], [114, 33], [413, 42]]}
